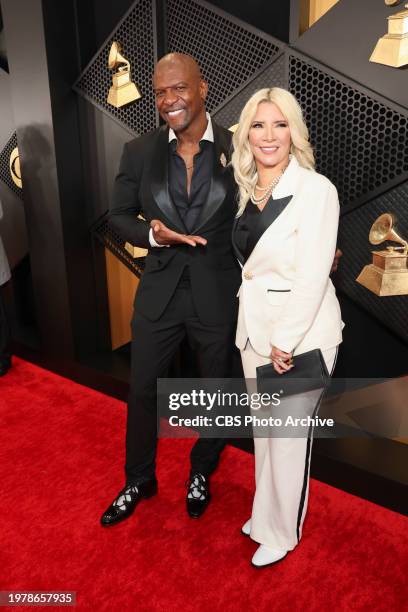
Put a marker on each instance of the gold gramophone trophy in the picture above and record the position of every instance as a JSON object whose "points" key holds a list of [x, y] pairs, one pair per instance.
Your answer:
{"points": [[123, 90], [388, 274], [392, 48]]}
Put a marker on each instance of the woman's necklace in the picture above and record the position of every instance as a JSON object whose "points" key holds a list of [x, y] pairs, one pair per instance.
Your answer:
{"points": [[268, 189]]}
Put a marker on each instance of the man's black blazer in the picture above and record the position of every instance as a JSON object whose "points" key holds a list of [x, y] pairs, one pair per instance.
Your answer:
{"points": [[141, 187]]}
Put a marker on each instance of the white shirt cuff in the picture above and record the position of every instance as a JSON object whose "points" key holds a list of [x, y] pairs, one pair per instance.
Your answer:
{"points": [[153, 242]]}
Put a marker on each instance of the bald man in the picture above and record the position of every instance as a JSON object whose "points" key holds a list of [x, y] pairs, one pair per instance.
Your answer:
{"points": [[176, 177]]}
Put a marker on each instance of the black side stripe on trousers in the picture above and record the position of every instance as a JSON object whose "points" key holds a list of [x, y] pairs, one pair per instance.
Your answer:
{"points": [[307, 459]]}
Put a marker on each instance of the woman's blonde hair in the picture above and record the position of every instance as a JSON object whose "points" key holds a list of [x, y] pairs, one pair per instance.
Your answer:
{"points": [[242, 159]]}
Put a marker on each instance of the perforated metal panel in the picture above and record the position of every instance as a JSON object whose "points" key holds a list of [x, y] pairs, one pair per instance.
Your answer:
{"points": [[136, 33], [360, 143], [112, 241], [272, 76], [229, 52], [353, 237], [5, 175]]}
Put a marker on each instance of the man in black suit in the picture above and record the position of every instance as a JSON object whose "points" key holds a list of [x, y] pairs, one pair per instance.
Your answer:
{"points": [[176, 177]]}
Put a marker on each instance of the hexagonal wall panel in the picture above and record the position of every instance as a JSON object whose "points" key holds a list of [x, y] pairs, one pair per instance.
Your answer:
{"points": [[360, 142], [229, 51], [273, 75]]}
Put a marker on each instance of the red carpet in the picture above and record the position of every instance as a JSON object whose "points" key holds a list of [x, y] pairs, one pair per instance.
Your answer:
{"points": [[61, 464]]}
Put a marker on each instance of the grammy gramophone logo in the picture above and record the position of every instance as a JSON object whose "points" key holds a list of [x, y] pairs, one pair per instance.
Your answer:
{"points": [[14, 165], [388, 274], [123, 89], [392, 48]]}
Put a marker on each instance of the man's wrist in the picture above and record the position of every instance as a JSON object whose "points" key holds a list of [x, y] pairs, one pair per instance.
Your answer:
{"points": [[153, 242]]}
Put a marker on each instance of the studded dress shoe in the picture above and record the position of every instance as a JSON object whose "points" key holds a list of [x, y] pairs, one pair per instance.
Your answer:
{"points": [[126, 501], [198, 495]]}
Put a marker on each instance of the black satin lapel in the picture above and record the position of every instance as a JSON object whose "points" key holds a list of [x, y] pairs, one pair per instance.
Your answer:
{"points": [[238, 254], [219, 181], [270, 213], [160, 181]]}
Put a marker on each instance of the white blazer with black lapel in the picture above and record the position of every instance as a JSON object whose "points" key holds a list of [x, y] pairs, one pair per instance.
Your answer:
{"points": [[286, 298]]}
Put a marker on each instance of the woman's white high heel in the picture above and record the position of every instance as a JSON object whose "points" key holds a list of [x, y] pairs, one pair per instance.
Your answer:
{"points": [[267, 556]]}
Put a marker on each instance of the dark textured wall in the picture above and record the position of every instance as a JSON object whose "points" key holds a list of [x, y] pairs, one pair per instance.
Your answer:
{"points": [[13, 224], [41, 46], [344, 39], [97, 18], [270, 17], [368, 147]]}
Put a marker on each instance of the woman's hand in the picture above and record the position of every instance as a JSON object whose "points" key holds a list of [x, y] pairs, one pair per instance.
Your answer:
{"points": [[282, 362]]}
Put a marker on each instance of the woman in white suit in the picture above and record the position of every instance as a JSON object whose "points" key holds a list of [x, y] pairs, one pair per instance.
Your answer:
{"points": [[285, 238]]}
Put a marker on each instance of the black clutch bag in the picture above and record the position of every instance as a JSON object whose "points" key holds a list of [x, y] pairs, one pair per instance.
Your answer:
{"points": [[309, 372]]}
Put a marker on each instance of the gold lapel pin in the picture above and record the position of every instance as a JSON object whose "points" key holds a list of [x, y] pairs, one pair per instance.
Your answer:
{"points": [[223, 160]]}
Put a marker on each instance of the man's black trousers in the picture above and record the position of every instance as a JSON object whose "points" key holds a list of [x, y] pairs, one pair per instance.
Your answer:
{"points": [[154, 345]]}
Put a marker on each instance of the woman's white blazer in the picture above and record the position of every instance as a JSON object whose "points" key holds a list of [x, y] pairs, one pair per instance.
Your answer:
{"points": [[287, 299]]}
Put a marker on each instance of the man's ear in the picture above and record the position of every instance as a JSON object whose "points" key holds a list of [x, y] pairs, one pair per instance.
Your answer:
{"points": [[203, 89]]}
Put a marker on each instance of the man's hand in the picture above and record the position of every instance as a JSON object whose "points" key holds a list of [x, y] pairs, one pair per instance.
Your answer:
{"points": [[164, 235], [336, 260], [282, 362]]}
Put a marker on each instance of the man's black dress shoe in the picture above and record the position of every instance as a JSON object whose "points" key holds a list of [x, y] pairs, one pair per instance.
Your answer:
{"points": [[126, 501], [198, 495], [5, 365]]}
